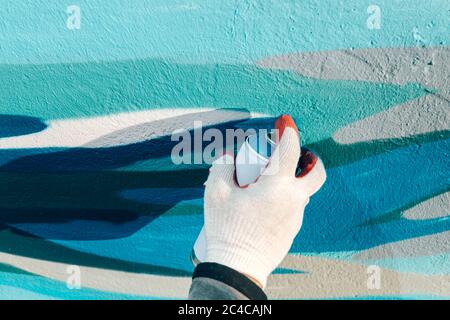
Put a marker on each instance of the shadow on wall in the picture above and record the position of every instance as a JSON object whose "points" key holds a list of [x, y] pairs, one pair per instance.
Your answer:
{"points": [[13, 125]]}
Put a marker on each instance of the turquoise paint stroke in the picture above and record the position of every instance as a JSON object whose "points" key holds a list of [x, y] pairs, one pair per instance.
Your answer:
{"points": [[210, 31], [81, 90], [35, 287]]}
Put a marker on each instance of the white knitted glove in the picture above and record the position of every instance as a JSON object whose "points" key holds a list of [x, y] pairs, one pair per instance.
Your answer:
{"points": [[251, 229]]}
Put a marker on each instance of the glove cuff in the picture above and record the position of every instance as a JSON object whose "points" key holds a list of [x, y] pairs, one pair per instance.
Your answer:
{"points": [[239, 258]]}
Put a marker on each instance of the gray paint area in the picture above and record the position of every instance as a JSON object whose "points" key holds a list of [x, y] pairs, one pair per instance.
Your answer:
{"points": [[423, 246], [166, 127], [422, 115], [434, 208], [427, 66]]}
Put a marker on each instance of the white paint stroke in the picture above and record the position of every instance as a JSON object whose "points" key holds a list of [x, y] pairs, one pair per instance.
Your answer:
{"points": [[81, 132], [105, 280]]}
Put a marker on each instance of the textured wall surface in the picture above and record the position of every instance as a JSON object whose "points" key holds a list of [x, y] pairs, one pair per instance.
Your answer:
{"points": [[90, 94]]}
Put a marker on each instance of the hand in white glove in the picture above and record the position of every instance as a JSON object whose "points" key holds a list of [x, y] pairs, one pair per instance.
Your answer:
{"points": [[251, 229]]}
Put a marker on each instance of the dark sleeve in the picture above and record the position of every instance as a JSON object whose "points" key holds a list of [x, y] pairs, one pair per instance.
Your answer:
{"points": [[213, 281]]}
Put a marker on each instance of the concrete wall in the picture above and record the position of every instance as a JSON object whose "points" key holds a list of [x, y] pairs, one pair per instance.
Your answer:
{"points": [[91, 90]]}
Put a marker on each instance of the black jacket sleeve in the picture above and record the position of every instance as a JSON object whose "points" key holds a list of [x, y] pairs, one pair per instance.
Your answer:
{"points": [[213, 281]]}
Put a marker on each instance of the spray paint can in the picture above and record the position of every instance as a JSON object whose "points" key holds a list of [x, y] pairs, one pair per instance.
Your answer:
{"points": [[251, 159]]}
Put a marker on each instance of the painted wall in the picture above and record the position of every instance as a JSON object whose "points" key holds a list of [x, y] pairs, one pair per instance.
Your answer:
{"points": [[87, 107]]}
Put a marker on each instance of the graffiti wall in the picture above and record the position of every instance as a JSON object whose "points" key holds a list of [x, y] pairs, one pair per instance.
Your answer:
{"points": [[91, 205]]}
